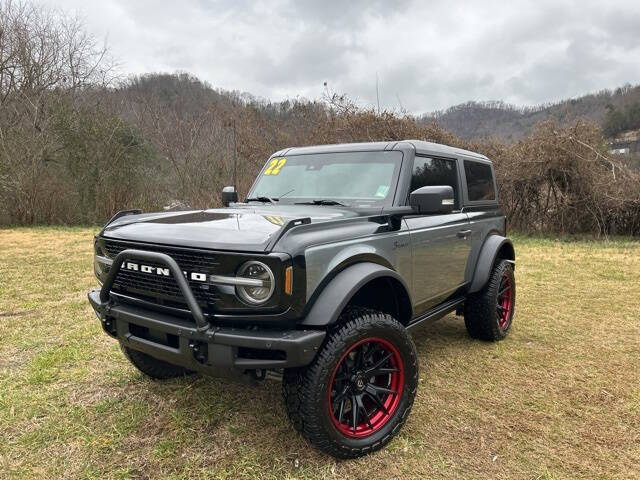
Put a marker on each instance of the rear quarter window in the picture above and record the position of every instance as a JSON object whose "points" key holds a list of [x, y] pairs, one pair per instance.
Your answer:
{"points": [[480, 185]]}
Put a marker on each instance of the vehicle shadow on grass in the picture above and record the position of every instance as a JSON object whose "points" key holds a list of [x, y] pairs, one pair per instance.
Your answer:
{"points": [[445, 335], [228, 417]]}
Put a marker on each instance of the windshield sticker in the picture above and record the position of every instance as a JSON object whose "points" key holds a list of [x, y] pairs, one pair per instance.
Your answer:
{"points": [[275, 166], [382, 191]]}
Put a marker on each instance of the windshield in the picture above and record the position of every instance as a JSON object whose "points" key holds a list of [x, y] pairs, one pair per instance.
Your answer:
{"points": [[354, 178]]}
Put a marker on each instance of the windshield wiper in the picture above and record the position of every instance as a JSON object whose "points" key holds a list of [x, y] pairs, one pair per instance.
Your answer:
{"points": [[263, 199], [322, 202]]}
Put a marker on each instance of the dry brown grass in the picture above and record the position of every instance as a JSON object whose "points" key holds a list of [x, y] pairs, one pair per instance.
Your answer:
{"points": [[558, 399]]}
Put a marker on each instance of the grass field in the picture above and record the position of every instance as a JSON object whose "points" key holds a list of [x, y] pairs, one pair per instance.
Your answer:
{"points": [[560, 398]]}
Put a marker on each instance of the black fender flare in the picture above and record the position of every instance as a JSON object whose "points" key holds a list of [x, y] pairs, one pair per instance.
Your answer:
{"points": [[337, 293], [487, 257]]}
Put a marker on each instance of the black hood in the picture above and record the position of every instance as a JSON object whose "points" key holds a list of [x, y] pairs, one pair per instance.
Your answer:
{"points": [[243, 228]]}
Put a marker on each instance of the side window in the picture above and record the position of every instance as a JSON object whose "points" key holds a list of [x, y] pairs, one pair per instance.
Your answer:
{"points": [[479, 181], [435, 171]]}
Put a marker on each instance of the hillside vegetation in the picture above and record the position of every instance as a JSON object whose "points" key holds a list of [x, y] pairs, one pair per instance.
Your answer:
{"points": [[78, 144], [614, 111]]}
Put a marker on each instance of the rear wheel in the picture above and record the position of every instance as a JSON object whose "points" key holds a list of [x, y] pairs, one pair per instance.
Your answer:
{"points": [[488, 314], [358, 392], [152, 367]]}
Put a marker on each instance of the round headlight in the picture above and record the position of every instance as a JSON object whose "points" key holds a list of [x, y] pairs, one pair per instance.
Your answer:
{"points": [[260, 282]]}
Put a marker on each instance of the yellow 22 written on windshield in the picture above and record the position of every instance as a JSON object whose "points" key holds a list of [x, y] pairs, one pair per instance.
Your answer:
{"points": [[275, 166]]}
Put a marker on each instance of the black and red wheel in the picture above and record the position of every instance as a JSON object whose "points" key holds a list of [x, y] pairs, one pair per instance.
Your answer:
{"points": [[505, 300], [488, 314], [366, 387], [358, 392]]}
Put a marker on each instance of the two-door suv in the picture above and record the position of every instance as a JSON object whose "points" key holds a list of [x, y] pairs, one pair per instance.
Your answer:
{"points": [[316, 278]]}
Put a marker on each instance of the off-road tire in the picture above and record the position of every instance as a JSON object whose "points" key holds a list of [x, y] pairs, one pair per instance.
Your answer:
{"points": [[306, 390], [152, 367], [481, 311]]}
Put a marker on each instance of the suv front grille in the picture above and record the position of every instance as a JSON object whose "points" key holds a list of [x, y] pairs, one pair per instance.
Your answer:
{"points": [[191, 261], [165, 290]]}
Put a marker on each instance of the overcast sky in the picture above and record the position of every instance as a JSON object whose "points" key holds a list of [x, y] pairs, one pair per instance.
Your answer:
{"points": [[427, 55]]}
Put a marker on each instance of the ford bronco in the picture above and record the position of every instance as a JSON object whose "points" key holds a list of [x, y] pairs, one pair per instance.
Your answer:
{"points": [[315, 278]]}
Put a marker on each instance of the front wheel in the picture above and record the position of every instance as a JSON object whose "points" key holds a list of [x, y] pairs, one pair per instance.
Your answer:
{"points": [[358, 392], [152, 367]]}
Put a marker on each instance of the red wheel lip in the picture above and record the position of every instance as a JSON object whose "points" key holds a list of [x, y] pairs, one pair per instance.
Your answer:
{"points": [[506, 302], [380, 418]]}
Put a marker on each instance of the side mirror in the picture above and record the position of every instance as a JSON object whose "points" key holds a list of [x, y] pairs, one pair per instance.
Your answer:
{"points": [[432, 200], [229, 195]]}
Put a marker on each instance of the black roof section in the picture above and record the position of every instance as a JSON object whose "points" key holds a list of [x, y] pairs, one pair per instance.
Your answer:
{"points": [[420, 147]]}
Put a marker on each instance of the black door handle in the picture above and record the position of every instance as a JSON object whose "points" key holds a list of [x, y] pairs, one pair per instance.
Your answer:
{"points": [[464, 233]]}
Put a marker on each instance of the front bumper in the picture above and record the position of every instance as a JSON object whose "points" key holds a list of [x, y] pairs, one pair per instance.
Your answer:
{"points": [[217, 350], [198, 345]]}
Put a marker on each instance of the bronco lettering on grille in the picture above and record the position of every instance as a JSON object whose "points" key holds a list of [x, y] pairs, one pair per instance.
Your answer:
{"points": [[165, 272]]}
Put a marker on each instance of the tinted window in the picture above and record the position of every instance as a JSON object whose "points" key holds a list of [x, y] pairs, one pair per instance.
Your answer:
{"points": [[429, 172], [479, 181]]}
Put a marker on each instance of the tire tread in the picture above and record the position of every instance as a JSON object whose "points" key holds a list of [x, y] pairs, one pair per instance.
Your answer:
{"points": [[302, 395], [152, 367], [480, 316]]}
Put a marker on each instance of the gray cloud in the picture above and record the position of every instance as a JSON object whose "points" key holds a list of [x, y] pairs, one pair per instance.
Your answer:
{"points": [[427, 55]]}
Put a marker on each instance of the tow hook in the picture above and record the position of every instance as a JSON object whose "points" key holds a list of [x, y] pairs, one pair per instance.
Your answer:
{"points": [[258, 374], [109, 325], [200, 351]]}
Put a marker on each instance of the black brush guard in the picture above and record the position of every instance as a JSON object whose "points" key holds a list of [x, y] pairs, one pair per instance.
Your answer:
{"points": [[203, 347], [185, 289]]}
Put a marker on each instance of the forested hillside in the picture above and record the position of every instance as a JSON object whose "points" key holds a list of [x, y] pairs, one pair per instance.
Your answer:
{"points": [[78, 142], [614, 111]]}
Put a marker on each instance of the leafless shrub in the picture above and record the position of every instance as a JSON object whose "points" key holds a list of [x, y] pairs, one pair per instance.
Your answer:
{"points": [[76, 147], [47, 63], [560, 180]]}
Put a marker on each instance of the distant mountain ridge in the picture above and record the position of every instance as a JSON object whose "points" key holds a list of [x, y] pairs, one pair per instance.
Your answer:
{"points": [[511, 123]]}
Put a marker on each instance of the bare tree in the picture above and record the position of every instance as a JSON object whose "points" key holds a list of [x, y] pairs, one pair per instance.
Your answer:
{"points": [[46, 60]]}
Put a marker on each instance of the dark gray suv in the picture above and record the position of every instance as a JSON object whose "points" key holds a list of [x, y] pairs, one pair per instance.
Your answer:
{"points": [[316, 278]]}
